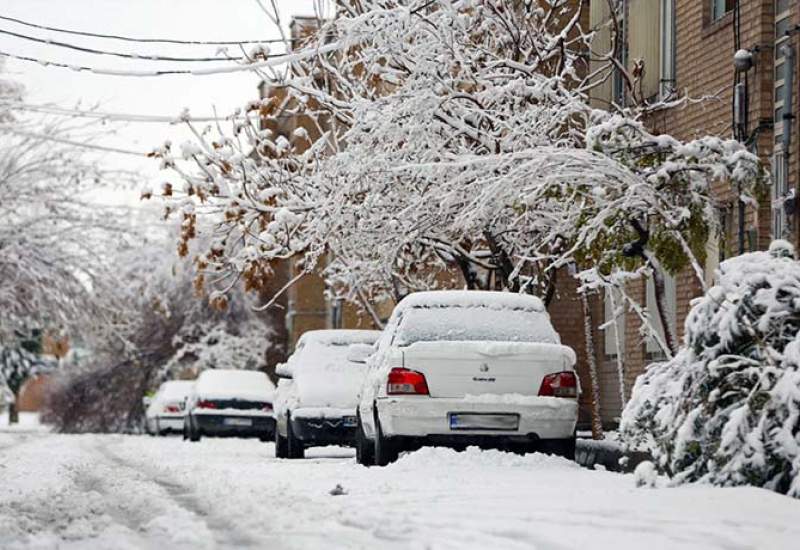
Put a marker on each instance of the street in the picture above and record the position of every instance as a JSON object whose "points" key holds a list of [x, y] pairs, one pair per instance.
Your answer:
{"points": [[114, 491]]}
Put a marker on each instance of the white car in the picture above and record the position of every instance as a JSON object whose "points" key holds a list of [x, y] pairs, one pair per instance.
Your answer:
{"points": [[315, 403], [459, 368], [230, 402], [164, 411]]}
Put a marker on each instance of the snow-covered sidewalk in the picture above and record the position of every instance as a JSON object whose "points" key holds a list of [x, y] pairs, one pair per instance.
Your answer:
{"points": [[97, 491]]}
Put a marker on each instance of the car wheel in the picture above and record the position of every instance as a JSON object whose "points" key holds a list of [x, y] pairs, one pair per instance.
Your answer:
{"points": [[386, 450], [281, 445], [194, 433], [294, 446], [185, 430], [560, 447], [365, 449]]}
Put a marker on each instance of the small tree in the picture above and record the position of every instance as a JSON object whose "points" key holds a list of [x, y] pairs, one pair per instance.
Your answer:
{"points": [[726, 409]]}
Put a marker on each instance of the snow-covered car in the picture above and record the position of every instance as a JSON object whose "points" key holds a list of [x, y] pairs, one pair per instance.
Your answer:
{"points": [[230, 402], [459, 368], [315, 403], [164, 411]]}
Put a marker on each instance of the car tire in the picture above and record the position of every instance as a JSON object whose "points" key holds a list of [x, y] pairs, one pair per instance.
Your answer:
{"points": [[365, 449], [281, 445], [560, 447], [386, 450], [194, 433], [294, 446], [185, 430]]}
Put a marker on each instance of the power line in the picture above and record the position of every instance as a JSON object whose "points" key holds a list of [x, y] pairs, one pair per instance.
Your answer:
{"points": [[143, 40], [285, 58], [83, 145], [118, 117], [118, 54]]}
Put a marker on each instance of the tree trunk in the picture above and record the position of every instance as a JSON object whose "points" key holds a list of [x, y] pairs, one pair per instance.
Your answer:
{"points": [[597, 420], [13, 412]]}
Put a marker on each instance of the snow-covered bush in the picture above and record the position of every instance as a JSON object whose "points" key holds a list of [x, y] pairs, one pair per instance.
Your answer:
{"points": [[726, 409]]}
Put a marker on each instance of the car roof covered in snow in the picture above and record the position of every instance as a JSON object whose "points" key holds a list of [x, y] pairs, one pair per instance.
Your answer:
{"points": [[471, 298], [340, 337], [471, 315], [175, 389], [232, 383]]}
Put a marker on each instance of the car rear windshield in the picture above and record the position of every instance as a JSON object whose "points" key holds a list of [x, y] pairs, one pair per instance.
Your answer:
{"points": [[474, 323]]}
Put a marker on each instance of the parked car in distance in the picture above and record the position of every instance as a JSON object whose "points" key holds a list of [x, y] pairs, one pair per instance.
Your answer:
{"points": [[164, 411], [229, 402], [316, 397], [459, 368]]}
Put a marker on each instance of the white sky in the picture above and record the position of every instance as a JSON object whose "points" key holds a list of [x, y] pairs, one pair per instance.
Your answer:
{"points": [[166, 95]]}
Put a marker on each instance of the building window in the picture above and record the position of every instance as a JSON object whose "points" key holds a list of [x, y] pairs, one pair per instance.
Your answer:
{"points": [[614, 320], [780, 190], [783, 72], [667, 48], [670, 298], [720, 7], [621, 54]]}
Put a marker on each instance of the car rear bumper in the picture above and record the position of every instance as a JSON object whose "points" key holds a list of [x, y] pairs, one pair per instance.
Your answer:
{"points": [[219, 425], [169, 423], [323, 431], [539, 418]]}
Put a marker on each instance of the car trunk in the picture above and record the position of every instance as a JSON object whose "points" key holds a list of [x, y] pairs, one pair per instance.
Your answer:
{"points": [[456, 369]]}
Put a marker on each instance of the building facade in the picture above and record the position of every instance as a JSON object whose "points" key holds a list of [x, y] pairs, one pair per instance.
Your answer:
{"points": [[687, 50]]}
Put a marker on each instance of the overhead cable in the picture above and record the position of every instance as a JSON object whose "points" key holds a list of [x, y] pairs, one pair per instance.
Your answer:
{"points": [[143, 57], [117, 117], [84, 145], [142, 40], [285, 58]]}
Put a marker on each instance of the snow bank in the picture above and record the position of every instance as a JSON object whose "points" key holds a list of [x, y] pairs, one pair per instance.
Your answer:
{"points": [[229, 384]]}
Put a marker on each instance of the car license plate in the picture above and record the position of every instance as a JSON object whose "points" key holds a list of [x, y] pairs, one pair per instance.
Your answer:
{"points": [[238, 421], [484, 421], [349, 421]]}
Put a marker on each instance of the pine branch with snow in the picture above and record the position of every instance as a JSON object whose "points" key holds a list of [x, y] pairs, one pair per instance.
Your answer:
{"points": [[726, 409]]}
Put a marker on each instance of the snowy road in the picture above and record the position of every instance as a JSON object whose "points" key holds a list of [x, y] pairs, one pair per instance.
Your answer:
{"points": [[139, 492]]}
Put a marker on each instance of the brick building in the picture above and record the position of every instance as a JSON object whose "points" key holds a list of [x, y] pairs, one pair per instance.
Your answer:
{"points": [[687, 48]]}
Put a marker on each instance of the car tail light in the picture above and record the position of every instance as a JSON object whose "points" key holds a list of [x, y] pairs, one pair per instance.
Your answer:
{"points": [[206, 405], [266, 407], [172, 409], [406, 382], [559, 384]]}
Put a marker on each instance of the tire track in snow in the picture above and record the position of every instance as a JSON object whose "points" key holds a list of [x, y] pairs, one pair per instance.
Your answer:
{"points": [[225, 534]]}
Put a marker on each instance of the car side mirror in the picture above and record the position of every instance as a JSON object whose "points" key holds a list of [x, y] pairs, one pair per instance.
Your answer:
{"points": [[283, 370], [359, 353]]}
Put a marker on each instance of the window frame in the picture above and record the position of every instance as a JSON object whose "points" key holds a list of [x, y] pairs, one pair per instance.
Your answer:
{"points": [[720, 8], [668, 50]]}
